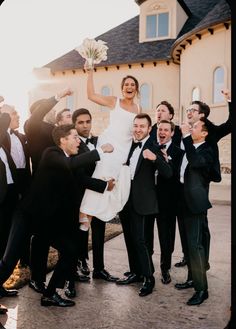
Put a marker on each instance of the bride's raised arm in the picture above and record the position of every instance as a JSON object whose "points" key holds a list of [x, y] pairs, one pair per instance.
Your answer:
{"points": [[108, 101]]}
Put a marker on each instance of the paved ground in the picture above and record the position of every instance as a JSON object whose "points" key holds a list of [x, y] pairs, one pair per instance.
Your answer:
{"points": [[102, 305]]}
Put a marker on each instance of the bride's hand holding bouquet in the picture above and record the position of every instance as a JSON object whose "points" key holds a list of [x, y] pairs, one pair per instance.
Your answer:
{"points": [[93, 51]]}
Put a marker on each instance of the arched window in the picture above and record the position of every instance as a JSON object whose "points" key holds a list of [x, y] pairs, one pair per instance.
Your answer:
{"points": [[70, 102], [145, 96], [106, 91], [196, 94], [218, 85]]}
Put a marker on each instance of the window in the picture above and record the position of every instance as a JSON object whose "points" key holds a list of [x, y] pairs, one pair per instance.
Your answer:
{"points": [[157, 25], [196, 94], [218, 85], [70, 102], [145, 96], [106, 91]]}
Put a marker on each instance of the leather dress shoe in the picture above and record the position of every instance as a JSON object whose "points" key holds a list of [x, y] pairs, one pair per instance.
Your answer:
{"points": [[198, 298], [165, 277], [56, 300], [7, 292], [3, 309], [147, 286], [187, 284], [82, 278], [207, 267], [70, 291], [181, 263], [129, 279], [37, 286], [83, 267], [104, 275]]}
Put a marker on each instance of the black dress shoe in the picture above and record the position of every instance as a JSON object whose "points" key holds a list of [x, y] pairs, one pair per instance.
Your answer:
{"points": [[181, 263], [3, 309], [82, 278], [207, 267], [198, 298], [185, 285], [83, 267], [70, 291], [37, 286], [7, 292], [127, 273], [165, 277], [147, 287], [104, 275], [56, 300], [129, 279]]}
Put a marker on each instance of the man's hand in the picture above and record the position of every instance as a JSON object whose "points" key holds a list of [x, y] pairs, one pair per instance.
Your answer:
{"points": [[107, 148], [64, 93], [110, 184], [149, 155], [1, 99], [185, 129], [226, 94]]}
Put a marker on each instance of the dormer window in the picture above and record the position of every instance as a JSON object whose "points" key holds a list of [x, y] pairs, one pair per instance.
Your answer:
{"points": [[157, 26]]}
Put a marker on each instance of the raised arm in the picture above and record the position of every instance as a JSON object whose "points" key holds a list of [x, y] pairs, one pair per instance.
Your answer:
{"points": [[108, 101]]}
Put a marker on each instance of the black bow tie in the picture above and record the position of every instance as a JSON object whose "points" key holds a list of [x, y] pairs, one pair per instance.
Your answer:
{"points": [[136, 144], [89, 140], [12, 131]]}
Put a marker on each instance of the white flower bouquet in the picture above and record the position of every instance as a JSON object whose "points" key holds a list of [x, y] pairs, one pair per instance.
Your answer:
{"points": [[93, 51]]}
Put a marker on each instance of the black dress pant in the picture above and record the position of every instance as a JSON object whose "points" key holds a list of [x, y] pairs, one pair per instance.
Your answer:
{"points": [[20, 229], [39, 257], [98, 237], [7, 208], [140, 260]]}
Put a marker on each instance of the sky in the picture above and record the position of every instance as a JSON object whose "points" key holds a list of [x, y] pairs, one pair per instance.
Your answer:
{"points": [[35, 32]]}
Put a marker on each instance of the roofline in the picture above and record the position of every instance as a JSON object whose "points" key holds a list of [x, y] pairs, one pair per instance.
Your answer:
{"points": [[194, 31], [181, 2]]}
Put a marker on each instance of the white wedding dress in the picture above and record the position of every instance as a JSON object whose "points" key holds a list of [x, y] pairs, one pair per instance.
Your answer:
{"points": [[106, 205]]}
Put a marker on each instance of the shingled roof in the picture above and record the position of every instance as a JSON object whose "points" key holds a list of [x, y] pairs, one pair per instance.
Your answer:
{"points": [[128, 50]]}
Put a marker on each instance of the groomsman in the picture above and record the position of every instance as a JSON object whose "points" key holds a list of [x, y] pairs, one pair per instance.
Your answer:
{"points": [[82, 120], [167, 190], [38, 131], [197, 168], [143, 161]]}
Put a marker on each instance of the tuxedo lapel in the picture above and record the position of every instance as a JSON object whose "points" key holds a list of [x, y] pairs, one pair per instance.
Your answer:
{"points": [[141, 158]]}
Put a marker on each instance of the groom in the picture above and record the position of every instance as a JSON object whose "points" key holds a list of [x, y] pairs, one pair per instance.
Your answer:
{"points": [[144, 159]]}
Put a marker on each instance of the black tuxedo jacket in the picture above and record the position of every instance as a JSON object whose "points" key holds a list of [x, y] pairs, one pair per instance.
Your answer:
{"points": [[38, 132], [83, 175], [168, 188], [196, 176], [53, 194], [143, 191]]}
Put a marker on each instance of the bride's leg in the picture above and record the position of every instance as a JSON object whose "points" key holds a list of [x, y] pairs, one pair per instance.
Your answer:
{"points": [[85, 221]]}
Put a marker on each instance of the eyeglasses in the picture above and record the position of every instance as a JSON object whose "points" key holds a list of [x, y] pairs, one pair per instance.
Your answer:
{"points": [[191, 110]]}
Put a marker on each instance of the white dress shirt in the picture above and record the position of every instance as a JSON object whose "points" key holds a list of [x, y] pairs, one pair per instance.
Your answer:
{"points": [[135, 156], [3, 157], [17, 151]]}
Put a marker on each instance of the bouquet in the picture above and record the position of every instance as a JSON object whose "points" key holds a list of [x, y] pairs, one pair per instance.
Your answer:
{"points": [[93, 51]]}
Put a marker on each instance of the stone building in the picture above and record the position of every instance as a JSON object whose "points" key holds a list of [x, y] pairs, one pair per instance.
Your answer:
{"points": [[179, 50]]}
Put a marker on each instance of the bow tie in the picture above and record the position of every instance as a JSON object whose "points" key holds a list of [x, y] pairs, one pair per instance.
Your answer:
{"points": [[136, 144], [89, 140], [12, 131]]}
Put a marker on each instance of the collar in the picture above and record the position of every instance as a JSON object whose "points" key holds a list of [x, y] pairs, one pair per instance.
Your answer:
{"points": [[196, 145], [143, 141]]}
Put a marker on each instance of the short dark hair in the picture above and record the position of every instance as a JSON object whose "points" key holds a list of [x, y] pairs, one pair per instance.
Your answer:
{"points": [[79, 112], [172, 125], [203, 108], [59, 115], [133, 78], [169, 106], [144, 116], [204, 126], [60, 132]]}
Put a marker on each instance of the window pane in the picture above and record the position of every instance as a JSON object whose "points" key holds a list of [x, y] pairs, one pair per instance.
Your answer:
{"points": [[145, 97], [218, 85], [196, 94], [163, 25], [70, 102], [151, 26]]}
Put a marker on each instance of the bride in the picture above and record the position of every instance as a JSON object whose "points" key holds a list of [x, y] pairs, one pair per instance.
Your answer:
{"points": [[106, 205]]}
